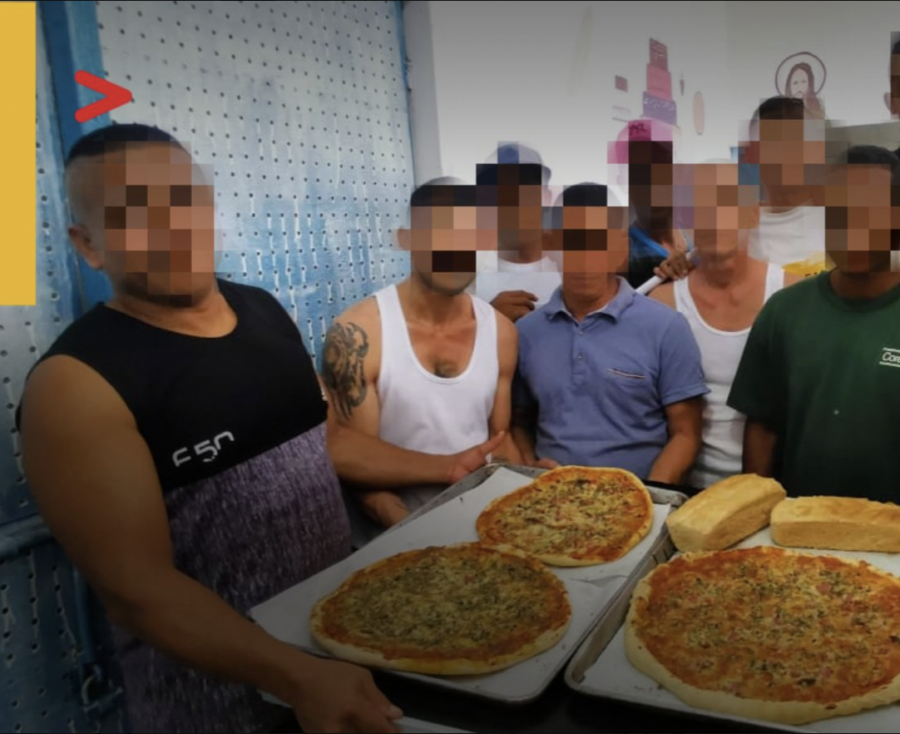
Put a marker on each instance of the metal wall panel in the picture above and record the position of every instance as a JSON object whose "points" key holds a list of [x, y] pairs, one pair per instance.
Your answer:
{"points": [[301, 110]]}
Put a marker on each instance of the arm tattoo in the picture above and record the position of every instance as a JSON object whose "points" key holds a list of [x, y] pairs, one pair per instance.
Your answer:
{"points": [[345, 349]]}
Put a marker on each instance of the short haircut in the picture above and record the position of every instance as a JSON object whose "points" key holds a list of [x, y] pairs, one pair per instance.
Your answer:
{"points": [[895, 43], [443, 191], [115, 137], [873, 155], [584, 194], [510, 174], [780, 108]]}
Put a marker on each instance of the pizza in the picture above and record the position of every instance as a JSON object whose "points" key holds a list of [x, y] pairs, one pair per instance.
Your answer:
{"points": [[458, 610], [572, 516], [769, 634]]}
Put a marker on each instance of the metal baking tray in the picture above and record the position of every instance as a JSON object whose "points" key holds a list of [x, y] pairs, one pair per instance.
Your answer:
{"points": [[449, 518], [601, 669]]}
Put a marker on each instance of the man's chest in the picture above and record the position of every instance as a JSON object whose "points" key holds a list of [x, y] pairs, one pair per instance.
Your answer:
{"points": [[850, 369], [199, 418], [445, 352]]}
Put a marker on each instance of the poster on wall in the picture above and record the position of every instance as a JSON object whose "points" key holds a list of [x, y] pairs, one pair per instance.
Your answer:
{"points": [[802, 76]]}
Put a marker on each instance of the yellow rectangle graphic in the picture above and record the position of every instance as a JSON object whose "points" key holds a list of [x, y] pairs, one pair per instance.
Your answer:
{"points": [[18, 62]]}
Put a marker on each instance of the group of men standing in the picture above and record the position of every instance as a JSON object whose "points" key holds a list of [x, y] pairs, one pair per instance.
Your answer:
{"points": [[183, 450]]}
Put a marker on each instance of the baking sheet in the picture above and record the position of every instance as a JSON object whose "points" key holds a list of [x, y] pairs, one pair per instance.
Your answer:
{"points": [[286, 616], [454, 522], [613, 676]]}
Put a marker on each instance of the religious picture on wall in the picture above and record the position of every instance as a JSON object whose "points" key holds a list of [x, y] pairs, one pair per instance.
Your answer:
{"points": [[802, 76]]}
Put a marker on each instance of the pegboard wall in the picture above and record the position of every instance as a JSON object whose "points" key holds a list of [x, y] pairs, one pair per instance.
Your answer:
{"points": [[300, 109]]}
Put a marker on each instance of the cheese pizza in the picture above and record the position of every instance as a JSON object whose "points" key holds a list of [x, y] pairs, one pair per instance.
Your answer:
{"points": [[769, 634], [572, 516], [457, 610]]}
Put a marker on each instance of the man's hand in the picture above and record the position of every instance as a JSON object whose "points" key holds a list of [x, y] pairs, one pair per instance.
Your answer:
{"points": [[514, 304], [675, 267], [384, 507], [465, 462], [338, 697]]}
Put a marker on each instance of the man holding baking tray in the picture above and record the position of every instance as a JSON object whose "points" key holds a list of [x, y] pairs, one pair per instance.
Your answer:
{"points": [[423, 364], [606, 377], [179, 446], [819, 381]]}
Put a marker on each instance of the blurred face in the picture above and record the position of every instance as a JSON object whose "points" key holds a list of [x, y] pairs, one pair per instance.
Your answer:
{"points": [[650, 175], [789, 152], [723, 213], [443, 241], [594, 242], [799, 84], [150, 221], [519, 215], [858, 218]]}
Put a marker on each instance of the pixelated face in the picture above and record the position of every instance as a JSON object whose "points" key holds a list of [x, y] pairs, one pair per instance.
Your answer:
{"points": [[858, 218], [594, 243], [790, 152], [158, 221], [723, 211], [443, 241], [799, 84], [650, 173], [519, 214]]}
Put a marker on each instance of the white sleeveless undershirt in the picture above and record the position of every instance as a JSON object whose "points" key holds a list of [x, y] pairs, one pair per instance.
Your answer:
{"points": [[423, 412], [723, 427]]}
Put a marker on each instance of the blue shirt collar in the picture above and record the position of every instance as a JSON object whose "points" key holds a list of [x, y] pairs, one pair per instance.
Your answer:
{"points": [[614, 309]]}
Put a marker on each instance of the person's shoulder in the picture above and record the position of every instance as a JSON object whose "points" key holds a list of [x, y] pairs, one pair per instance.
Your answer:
{"points": [[664, 294], [797, 288], [65, 390], [534, 321], [230, 289], [363, 312], [654, 309]]}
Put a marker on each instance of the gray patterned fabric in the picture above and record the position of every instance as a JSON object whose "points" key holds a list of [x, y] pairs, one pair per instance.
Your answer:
{"points": [[247, 533]]}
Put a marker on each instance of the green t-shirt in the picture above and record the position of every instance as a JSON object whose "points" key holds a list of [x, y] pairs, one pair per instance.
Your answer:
{"points": [[824, 373]]}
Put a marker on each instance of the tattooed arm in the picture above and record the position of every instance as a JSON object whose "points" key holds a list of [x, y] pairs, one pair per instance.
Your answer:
{"points": [[350, 360], [350, 363]]}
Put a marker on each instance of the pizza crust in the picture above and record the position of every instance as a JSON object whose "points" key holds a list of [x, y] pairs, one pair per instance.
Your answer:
{"points": [[792, 713], [371, 657], [375, 659], [487, 520]]}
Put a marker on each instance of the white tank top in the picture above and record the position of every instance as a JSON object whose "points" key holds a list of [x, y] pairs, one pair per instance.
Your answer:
{"points": [[423, 412], [723, 427]]}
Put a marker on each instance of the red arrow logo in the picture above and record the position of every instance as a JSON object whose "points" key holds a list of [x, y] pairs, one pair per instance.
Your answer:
{"points": [[113, 96]]}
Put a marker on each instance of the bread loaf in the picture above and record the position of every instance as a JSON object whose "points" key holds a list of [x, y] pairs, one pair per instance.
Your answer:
{"points": [[837, 523], [725, 513]]}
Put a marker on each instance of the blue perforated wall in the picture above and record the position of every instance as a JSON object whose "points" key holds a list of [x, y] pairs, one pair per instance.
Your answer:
{"points": [[301, 110]]}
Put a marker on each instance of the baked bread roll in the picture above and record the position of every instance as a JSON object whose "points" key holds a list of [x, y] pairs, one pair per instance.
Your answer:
{"points": [[837, 523], [725, 513]]}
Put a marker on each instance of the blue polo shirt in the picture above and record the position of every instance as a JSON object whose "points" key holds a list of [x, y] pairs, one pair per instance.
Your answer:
{"points": [[600, 387]]}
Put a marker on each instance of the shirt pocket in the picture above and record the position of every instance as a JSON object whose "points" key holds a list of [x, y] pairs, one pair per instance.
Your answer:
{"points": [[627, 378], [629, 389]]}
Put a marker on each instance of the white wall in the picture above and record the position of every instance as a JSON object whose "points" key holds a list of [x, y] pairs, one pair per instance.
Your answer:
{"points": [[851, 38], [543, 73]]}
